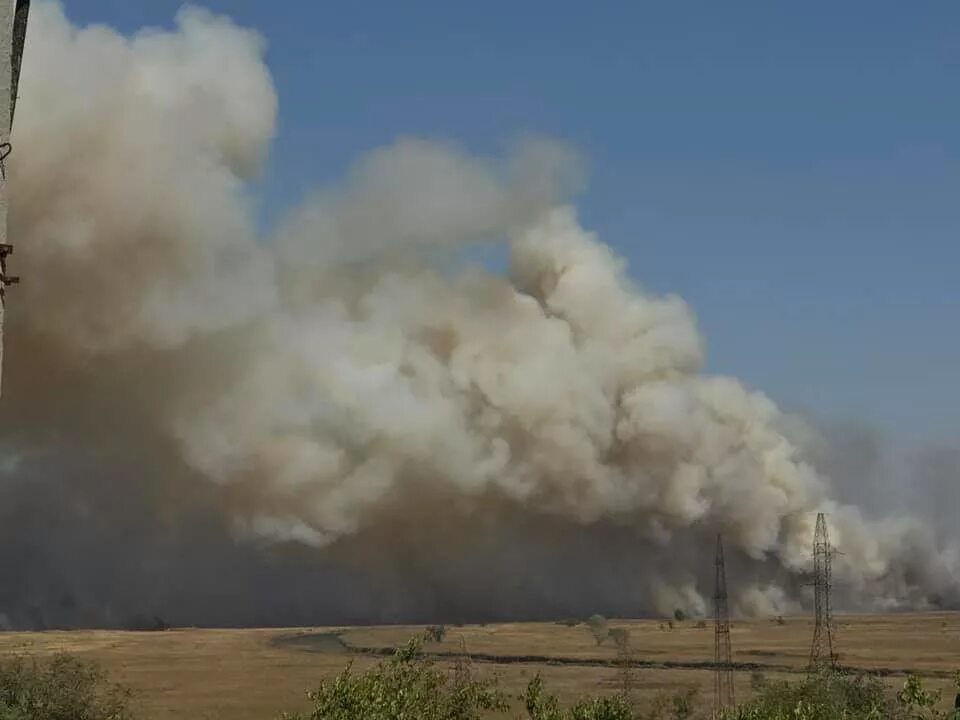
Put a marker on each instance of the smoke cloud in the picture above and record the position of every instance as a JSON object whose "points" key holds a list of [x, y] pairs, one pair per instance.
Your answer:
{"points": [[345, 421]]}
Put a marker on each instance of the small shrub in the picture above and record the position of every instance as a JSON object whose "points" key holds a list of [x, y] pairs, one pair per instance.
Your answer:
{"points": [[542, 706], [436, 633], [616, 707], [702, 625], [670, 624], [916, 699], [64, 688], [824, 696], [539, 704], [679, 615]]}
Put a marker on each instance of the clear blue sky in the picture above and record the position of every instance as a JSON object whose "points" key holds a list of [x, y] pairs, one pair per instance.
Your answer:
{"points": [[792, 169]]}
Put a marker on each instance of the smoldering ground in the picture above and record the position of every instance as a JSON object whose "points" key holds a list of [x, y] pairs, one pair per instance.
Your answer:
{"points": [[343, 421]]}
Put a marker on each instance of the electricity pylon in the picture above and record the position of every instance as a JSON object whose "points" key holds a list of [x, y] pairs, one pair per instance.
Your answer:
{"points": [[13, 31], [723, 694], [822, 655]]}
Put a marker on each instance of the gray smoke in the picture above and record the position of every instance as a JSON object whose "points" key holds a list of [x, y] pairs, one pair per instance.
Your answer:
{"points": [[344, 421]]}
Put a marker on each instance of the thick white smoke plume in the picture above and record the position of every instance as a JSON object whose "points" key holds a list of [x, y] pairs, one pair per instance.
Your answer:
{"points": [[343, 420]]}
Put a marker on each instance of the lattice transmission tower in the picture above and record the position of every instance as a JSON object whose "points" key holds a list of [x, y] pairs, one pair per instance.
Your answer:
{"points": [[13, 32], [822, 655], [723, 694]]}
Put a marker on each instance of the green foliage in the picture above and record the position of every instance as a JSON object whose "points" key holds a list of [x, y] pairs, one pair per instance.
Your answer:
{"points": [[407, 686], [916, 698], [65, 688], [918, 703], [679, 615], [539, 704], [829, 696], [542, 706]]}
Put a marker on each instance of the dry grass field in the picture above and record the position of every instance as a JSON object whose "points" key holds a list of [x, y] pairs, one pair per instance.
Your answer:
{"points": [[256, 674]]}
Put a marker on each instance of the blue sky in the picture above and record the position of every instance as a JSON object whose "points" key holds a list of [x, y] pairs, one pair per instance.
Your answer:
{"points": [[791, 169]]}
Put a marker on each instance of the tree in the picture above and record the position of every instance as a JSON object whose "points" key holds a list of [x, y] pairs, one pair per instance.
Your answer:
{"points": [[599, 628], [542, 706], [64, 688]]}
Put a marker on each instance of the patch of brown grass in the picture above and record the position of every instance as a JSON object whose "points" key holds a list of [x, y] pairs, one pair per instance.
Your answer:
{"points": [[244, 675]]}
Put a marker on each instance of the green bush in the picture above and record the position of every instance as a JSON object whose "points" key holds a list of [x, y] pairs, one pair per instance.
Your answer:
{"points": [[65, 688], [542, 706], [407, 686], [825, 696], [917, 703], [831, 695]]}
